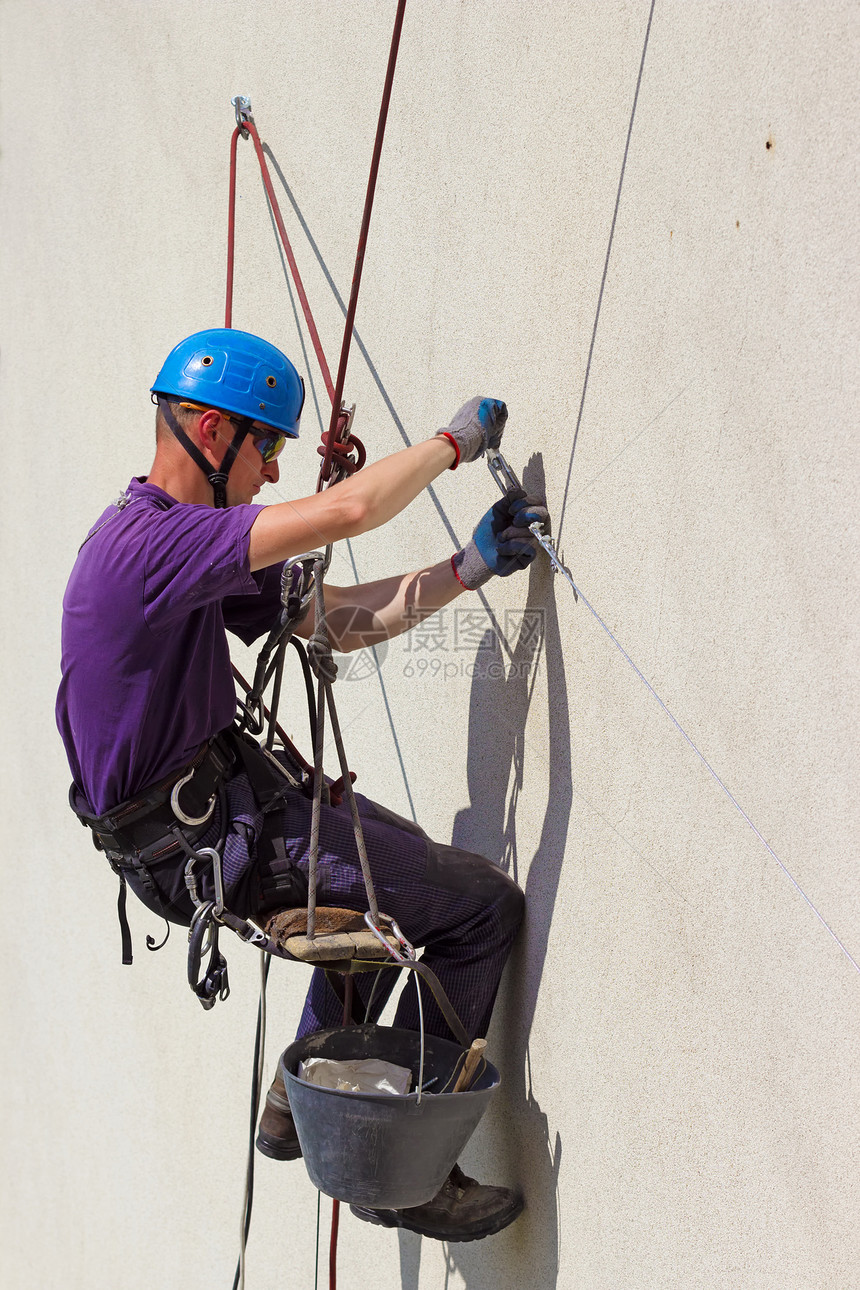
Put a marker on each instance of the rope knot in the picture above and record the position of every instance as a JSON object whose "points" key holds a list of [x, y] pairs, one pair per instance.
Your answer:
{"points": [[340, 458], [320, 658]]}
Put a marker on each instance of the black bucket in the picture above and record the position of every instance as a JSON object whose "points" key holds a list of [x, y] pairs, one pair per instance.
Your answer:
{"points": [[379, 1149]]}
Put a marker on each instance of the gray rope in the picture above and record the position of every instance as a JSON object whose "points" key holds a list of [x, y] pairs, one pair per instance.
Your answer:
{"points": [[703, 759], [321, 637], [325, 669], [353, 807], [319, 654]]}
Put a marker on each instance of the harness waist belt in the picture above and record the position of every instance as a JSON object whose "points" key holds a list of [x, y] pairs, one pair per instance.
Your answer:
{"points": [[142, 822]]}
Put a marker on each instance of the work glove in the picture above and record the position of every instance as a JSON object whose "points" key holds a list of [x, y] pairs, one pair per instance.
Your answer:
{"points": [[502, 543], [477, 426]]}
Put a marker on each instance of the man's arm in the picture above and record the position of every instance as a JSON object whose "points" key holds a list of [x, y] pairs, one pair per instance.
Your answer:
{"points": [[370, 498], [376, 494], [375, 611]]}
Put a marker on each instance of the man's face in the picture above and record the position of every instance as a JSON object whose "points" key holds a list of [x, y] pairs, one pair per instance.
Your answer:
{"points": [[249, 473]]}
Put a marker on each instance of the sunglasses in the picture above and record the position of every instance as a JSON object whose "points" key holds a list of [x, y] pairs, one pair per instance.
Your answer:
{"points": [[268, 442]]}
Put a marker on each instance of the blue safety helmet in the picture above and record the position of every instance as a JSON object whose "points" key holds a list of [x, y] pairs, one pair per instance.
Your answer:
{"points": [[237, 372], [234, 372]]}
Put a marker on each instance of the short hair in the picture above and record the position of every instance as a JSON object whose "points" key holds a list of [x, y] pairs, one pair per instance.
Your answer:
{"points": [[182, 415]]}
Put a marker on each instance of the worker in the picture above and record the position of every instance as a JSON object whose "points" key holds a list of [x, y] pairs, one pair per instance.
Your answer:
{"points": [[147, 697]]}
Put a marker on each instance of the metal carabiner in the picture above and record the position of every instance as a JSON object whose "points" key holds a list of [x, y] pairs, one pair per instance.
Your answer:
{"points": [[217, 876], [407, 946], [408, 955], [215, 983], [306, 560], [253, 722], [191, 884], [177, 809], [202, 914], [210, 854]]}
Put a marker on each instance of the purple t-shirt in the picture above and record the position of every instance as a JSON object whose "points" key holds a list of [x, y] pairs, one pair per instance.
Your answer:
{"points": [[146, 666]]}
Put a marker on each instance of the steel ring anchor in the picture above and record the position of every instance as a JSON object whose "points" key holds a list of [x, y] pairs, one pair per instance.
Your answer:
{"points": [[177, 809]]}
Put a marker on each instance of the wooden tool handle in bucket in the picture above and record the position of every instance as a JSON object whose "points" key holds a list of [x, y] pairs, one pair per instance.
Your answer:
{"points": [[470, 1065]]}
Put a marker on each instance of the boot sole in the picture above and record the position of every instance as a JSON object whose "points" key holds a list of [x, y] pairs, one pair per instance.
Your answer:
{"points": [[275, 1149], [397, 1218]]}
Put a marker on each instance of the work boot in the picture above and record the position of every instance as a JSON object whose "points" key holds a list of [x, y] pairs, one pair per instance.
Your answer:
{"points": [[461, 1210], [276, 1136]]}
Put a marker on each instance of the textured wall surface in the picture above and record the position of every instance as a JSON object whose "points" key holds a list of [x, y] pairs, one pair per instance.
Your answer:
{"points": [[664, 298]]}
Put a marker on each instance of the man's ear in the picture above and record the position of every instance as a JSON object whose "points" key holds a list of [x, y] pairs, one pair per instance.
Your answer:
{"points": [[208, 431]]}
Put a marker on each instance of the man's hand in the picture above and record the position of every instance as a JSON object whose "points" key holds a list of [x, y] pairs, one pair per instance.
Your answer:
{"points": [[477, 426], [502, 542]]}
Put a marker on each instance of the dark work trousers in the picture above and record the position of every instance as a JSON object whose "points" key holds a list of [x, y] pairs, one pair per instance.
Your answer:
{"points": [[463, 910]]}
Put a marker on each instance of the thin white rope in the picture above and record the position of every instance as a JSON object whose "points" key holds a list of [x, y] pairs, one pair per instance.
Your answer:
{"points": [[729, 794]]}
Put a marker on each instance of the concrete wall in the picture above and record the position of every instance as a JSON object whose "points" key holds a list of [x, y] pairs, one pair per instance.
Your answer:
{"points": [[677, 1032]]}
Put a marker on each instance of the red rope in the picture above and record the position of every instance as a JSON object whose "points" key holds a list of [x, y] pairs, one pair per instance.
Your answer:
{"points": [[336, 443], [249, 128], [362, 240], [332, 1248]]}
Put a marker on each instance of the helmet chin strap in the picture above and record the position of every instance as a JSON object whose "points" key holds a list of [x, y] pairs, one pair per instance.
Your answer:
{"points": [[217, 478]]}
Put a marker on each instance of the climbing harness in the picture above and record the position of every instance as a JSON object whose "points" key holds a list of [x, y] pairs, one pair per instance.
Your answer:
{"points": [[142, 835]]}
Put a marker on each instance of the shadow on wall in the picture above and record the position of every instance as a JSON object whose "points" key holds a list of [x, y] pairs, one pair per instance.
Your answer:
{"points": [[500, 699], [528, 1252]]}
